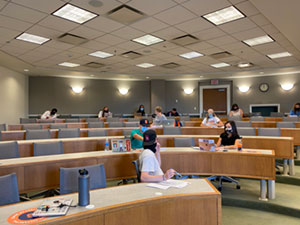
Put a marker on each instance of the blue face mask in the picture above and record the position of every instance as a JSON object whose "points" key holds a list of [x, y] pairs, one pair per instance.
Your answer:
{"points": [[142, 109], [144, 129], [210, 115]]}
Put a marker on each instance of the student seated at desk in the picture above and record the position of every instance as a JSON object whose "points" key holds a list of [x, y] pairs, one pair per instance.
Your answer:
{"points": [[141, 111], [295, 111], [104, 113], [136, 136], [159, 116], [49, 115], [229, 138], [236, 111], [211, 120], [150, 160], [173, 112]]}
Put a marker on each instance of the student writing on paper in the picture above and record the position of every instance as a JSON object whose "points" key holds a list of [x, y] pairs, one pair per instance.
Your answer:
{"points": [[150, 160], [229, 138]]}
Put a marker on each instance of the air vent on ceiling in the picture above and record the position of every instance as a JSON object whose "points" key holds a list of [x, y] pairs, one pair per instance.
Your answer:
{"points": [[131, 55], [220, 55], [72, 39], [185, 40], [94, 65], [125, 14], [170, 65]]}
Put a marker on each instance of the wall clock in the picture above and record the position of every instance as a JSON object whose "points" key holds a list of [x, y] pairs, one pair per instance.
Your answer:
{"points": [[263, 87]]}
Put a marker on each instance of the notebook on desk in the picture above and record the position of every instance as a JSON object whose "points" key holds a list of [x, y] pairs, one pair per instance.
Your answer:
{"points": [[206, 144], [53, 207]]}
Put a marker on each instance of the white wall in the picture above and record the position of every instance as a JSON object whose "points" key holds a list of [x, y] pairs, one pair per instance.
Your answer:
{"points": [[13, 96]]}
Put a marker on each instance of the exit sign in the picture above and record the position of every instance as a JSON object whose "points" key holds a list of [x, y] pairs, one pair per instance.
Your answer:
{"points": [[214, 82]]}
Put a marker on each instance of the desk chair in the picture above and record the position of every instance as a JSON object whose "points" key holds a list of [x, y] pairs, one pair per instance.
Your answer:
{"points": [[68, 132], [38, 134], [27, 120], [46, 121], [257, 118], [72, 120], [285, 125], [112, 119], [290, 119], [234, 118], [97, 133], [172, 130], [137, 169], [92, 120], [58, 125], [133, 120], [184, 118], [9, 189], [48, 148], [243, 123], [9, 150], [68, 178], [95, 124], [131, 124], [222, 178], [246, 131], [115, 124], [184, 142], [3, 127], [276, 114], [32, 127], [275, 132]]}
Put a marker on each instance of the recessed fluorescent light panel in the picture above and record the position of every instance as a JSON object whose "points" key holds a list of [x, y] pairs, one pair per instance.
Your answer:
{"points": [[258, 40], [67, 64], [244, 65], [32, 38], [74, 14], [279, 55], [145, 65], [219, 65], [101, 54], [191, 55], [224, 15], [148, 40]]}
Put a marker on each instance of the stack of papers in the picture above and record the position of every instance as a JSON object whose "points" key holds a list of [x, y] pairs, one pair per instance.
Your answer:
{"points": [[53, 207], [169, 183]]}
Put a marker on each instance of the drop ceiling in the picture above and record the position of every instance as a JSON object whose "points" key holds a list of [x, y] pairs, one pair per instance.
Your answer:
{"points": [[165, 19]]}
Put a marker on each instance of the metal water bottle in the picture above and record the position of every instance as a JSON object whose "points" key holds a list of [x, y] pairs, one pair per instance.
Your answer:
{"points": [[83, 188]]}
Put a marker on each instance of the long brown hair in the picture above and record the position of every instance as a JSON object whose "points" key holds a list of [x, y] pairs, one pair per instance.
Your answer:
{"points": [[294, 107]]}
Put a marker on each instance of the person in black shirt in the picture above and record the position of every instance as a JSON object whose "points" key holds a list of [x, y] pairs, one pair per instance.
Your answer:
{"points": [[229, 138], [141, 110], [173, 112]]}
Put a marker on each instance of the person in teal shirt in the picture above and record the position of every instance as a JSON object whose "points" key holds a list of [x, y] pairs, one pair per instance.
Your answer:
{"points": [[136, 136]]}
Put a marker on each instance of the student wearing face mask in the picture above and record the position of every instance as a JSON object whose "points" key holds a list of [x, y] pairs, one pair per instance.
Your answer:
{"points": [[141, 110], [229, 138], [211, 120], [136, 136], [104, 113], [236, 111], [150, 161], [49, 114], [295, 111]]}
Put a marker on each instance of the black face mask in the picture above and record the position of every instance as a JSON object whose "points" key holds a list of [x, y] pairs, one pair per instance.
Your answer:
{"points": [[297, 109], [152, 147], [106, 111], [228, 131]]}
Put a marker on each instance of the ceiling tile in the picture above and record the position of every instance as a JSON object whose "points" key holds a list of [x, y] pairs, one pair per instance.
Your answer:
{"points": [[130, 46], [247, 8], [94, 45], [164, 46], [202, 7], [237, 26], [210, 51], [209, 34], [103, 24], [22, 13], [7, 34], [200, 46], [270, 29], [22, 44], [169, 33], [149, 25], [151, 7], [107, 5], [260, 20], [13, 50], [128, 33], [248, 34], [110, 39], [44, 6], [13, 24], [59, 24], [80, 49], [220, 41], [58, 45], [168, 15], [194, 25], [86, 32], [44, 32], [236, 1], [2, 4]]}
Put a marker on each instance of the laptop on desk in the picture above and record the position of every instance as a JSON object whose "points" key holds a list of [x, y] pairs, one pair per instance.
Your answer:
{"points": [[120, 145], [207, 145]]}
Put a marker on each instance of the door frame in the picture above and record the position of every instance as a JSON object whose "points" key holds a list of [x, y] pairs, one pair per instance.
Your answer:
{"points": [[228, 86]]}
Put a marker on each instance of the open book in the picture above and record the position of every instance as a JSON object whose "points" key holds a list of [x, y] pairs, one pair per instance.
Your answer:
{"points": [[53, 207], [169, 183]]}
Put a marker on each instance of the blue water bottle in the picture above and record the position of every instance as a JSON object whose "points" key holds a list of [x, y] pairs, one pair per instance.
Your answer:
{"points": [[83, 188]]}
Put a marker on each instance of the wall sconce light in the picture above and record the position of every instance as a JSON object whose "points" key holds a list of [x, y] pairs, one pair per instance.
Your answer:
{"points": [[123, 91], [77, 90], [188, 91], [287, 86], [244, 89]]}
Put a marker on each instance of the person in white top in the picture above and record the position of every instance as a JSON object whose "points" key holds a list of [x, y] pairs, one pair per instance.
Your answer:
{"points": [[211, 120], [104, 113], [150, 161], [236, 111], [160, 117], [49, 115]]}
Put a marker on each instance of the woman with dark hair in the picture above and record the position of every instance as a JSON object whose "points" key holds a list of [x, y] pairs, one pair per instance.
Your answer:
{"points": [[141, 110], [49, 114], [295, 111], [229, 138], [236, 111], [104, 113]]}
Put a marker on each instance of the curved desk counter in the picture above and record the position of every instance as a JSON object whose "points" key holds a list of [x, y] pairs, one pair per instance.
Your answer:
{"points": [[136, 204], [42, 172]]}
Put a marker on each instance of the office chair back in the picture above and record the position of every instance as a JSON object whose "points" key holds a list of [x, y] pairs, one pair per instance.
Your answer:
{"points": [[246, 131], [97, 133], [68, 132], [115, 124], [137, 169], [243, 123], [269, 132], [9, 149], [290, 119], [257, 118], [172, 131], [112, 119], [184, 118], [234, 118], [9, 189], [45, 121], [68, 178], [48, 148], [27, 120], [38, 134], [184, 142], [3, 127], [88, 120], [32, 127], [132, 124], [276, 114], [95, 124], [285, 125], [72, 120], [58, 125]]}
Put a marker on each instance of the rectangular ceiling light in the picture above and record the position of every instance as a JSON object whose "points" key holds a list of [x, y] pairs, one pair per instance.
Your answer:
{"points": [[191, 55], [67, 64], [101, 54], [244, 65], [224, 15], [258, 40], [219, 65], [32, 38], [279, 55], [145, 65], [148, 40], [74, 14]]}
